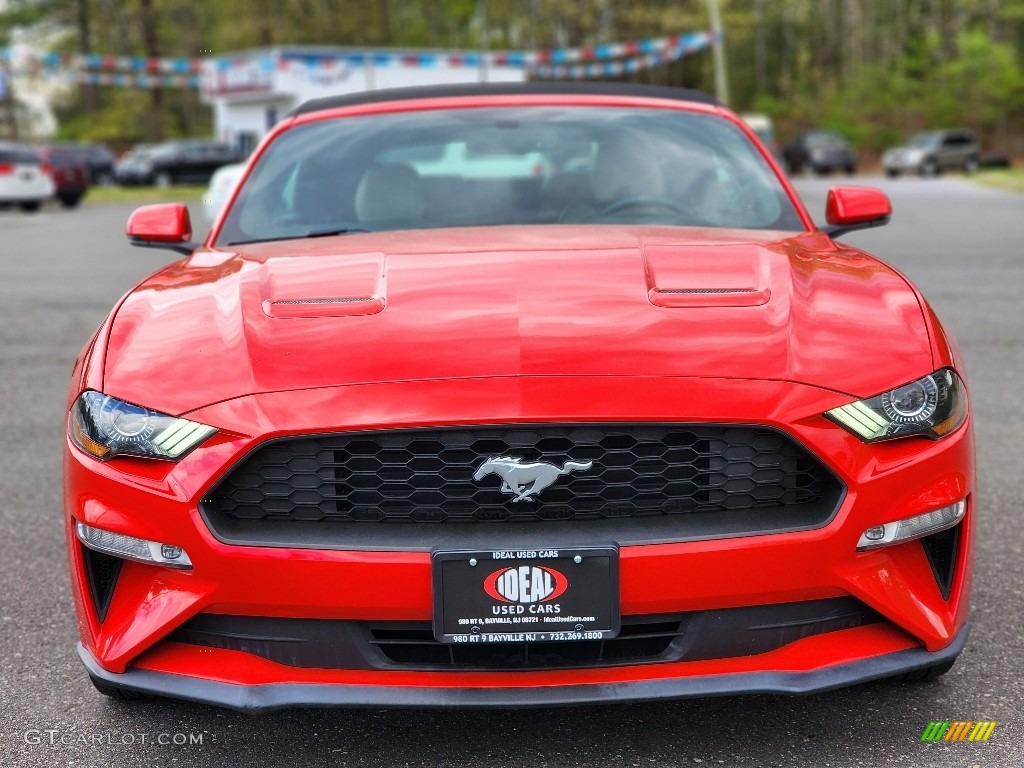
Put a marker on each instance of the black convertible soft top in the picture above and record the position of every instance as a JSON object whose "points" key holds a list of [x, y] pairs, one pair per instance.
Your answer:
{"points": [[502, 89]]}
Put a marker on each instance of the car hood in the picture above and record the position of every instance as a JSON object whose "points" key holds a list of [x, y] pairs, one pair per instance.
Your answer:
{"points": [[578, 301]]}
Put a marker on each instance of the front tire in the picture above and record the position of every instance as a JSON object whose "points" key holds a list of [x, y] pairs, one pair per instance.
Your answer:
{"points": [[70, 201], [163, 180], [971, 166], [929, 168], [892, 173]]}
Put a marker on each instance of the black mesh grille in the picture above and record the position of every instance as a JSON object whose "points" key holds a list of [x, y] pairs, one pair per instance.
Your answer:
{"points": [[102, 571], [426, 475], [941, 549], [640, 640]]}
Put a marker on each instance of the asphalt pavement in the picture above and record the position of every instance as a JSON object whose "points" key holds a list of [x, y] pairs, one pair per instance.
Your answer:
{"points": [[61, 271]]}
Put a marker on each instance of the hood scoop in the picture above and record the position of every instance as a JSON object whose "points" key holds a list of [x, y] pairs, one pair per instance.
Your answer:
{"points": [[735, 275], [323, 286]]}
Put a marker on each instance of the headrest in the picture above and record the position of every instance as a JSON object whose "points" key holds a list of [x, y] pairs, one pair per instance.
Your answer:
{"points": [[390, 193]]}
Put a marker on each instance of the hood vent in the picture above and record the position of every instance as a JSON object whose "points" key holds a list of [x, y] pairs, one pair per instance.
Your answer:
{"points": [[708, 290], [348, 286], [706, 276]]}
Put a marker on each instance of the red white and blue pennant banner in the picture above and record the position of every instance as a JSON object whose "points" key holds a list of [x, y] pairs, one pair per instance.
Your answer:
{"points": [[678, 47], [608, 59]]}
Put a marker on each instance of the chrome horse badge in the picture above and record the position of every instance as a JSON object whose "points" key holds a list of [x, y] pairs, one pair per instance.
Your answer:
{"points": [[524, 481]]}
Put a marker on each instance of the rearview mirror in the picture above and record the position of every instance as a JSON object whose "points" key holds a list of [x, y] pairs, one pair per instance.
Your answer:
{"points": [[851, 208], [166, 225]]}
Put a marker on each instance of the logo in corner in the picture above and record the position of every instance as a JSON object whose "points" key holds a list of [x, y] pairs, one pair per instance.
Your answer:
{"points": [[958, 730], [524, 480]]}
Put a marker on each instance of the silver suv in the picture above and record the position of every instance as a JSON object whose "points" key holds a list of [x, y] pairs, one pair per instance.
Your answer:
{"points": [[931, 153]]}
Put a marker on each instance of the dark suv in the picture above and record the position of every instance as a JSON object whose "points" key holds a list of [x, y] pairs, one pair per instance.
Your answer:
{"points": [[931, 153], [100, 161], [821, 152], [174, 162]]}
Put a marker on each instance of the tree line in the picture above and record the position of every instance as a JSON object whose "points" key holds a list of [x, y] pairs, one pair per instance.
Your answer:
{"points": [[875, 70]]}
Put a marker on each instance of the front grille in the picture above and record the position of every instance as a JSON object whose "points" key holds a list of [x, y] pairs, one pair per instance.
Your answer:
{"points": [[640, 640], [357, 645], [426, 476]]}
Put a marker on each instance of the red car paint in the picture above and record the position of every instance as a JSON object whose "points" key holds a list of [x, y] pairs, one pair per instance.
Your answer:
{"points": [[517, 325]]}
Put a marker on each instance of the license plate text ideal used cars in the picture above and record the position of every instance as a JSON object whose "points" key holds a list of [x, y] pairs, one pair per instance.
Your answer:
{"points": [[526, 595]]}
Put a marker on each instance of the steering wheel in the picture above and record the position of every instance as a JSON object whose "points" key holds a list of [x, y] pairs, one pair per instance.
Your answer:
{"points": [[636, 201]]}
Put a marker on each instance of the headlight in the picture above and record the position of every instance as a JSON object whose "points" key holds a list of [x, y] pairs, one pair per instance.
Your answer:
{"points": [[932, 406], [105, 427]]}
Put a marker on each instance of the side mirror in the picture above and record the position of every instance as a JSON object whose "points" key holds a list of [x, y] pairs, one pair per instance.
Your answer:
{"points": [[167, 225], [851, 208]]}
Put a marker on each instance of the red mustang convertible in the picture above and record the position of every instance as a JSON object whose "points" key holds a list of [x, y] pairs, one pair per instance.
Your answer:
{"points": [[510, 396]]}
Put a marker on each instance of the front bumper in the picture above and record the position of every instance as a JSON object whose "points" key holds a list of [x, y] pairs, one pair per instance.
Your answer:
{"points": [[160, 502], [264, 697]]}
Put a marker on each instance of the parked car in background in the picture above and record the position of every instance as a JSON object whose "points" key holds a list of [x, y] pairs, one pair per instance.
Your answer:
{"points": [[99, 160], [821, 152], [933, 152], [221, 185], [174, 162], [69, 171], [764, 129], [23, 180]]}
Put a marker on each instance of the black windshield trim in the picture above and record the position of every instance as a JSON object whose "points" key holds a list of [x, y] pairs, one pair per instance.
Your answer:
{"points": [[504, 89]]}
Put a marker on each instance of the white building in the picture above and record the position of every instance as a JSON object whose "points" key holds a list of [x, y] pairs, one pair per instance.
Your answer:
{"points": [[252, 90]]}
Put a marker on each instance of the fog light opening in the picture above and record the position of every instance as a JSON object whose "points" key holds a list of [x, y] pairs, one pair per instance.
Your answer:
{"points": [[132, 548], [911, 528]]}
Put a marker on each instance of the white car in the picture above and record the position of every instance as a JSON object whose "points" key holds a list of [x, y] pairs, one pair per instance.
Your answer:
{"points": [[222, 184], [764, 128], [23, 182]]}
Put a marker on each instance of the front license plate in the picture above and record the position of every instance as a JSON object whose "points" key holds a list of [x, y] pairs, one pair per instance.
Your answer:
{"points": [[523, 596]]}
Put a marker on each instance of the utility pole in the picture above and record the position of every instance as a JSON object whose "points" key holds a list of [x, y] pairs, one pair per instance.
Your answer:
{"points": [[485, 43], [718, 53]]}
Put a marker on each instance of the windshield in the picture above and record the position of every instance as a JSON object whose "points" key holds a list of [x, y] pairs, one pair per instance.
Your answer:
{"points": [[508, 165], [924, 140], [824, 140], [140, 153], [19, 155]]}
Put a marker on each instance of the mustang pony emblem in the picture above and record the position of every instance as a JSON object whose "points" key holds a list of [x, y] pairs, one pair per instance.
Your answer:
{"points": [[523, 481]]}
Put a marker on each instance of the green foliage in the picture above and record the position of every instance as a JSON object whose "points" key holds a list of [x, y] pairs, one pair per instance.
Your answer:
{"points": [[23, 13], [124, 118], [874, 71], [980, 83]]}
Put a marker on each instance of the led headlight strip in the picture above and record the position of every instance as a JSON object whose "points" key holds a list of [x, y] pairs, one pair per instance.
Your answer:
{"points": [[932, 406], [105, 427]]}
